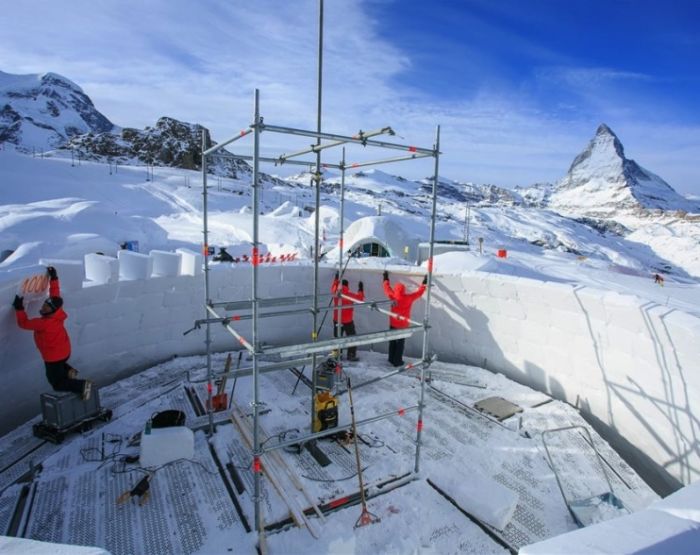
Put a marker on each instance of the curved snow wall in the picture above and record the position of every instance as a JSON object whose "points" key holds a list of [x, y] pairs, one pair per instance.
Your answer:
{"points": [[132, 315], [631, 366]]}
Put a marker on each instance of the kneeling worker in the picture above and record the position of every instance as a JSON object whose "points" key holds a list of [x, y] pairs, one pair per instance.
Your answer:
{"points": [[52, 339], [345, 315]]}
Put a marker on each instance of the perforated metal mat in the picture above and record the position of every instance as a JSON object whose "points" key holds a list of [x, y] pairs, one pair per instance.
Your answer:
{"points": [[188, 502]]}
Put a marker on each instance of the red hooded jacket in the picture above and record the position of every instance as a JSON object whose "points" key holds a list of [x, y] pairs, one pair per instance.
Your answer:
{"points": [[401, 307], [346, 314], [50, 335]]}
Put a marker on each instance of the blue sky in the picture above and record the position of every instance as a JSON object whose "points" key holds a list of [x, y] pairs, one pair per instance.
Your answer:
{"points": [[518, 87]]}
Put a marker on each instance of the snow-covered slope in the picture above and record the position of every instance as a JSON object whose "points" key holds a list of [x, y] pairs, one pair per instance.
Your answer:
{"points": [[43, 111], [602, 182]]}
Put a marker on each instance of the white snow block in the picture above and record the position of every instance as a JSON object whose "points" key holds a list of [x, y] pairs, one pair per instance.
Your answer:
{"points": [[165, 263], [71, 273], [101, 269], [164, 445], [647, 531], [134, 265], [479, 495], [685, 503], [190, 262]]}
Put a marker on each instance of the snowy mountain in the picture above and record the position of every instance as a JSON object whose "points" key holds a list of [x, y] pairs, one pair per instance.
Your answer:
{"points": [[43, 111], [47, 112], [602, 182]]}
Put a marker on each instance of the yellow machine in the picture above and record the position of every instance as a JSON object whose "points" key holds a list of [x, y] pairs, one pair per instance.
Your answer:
{"points": [[325, 411]]}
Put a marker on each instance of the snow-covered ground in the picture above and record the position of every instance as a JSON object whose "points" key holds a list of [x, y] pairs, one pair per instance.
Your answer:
{"points": [[52, 210], [502, 493]]}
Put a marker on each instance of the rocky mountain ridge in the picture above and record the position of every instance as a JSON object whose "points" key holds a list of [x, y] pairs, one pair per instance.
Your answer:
{"points": [[170, 143]]}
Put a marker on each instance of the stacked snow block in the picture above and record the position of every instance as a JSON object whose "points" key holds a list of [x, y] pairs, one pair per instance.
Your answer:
{"points": [[100, 269], [134, 265], [190, 262], [165, 263], [71, 272]]}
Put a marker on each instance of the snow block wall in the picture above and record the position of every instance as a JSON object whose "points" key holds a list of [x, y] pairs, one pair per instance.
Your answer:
{"points": [[630, 365], [120, 325]]}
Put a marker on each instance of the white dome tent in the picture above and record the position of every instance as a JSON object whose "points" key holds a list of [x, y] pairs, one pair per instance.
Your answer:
{"points": [[381, 236]]}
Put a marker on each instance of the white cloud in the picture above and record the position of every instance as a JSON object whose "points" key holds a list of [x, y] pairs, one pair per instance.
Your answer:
{"points": [[200, 62]]}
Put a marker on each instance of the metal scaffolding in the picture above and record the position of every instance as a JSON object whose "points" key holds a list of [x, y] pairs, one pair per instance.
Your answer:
{"points": [[294, 355]]}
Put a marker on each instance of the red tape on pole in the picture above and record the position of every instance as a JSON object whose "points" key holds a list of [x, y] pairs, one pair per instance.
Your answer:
{"points": [[412, 149], [255, 260], [209, 387], [419, 426], [430, 265], [257, 466], [402, 412], [337, 502]]}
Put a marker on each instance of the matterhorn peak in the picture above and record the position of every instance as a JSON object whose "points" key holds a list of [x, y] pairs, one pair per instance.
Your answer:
{"points": [[602, 181], [604, 149]]}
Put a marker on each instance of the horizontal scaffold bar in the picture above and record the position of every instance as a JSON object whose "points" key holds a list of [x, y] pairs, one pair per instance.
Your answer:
{"points": [[344, 139], [385, 161], [275, 160], [219, 146], [342, 342], [410, 366], [362, 135], [263, 303], [283, 365], [330, 431]]}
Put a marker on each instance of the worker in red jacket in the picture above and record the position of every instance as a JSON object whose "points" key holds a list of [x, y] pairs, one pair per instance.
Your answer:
{"points": [[400, 314], [52, 339], [343, 318]]}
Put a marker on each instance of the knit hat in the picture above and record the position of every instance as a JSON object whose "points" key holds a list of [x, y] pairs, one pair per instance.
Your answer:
{"points": [[54, 303], [345, 283]]}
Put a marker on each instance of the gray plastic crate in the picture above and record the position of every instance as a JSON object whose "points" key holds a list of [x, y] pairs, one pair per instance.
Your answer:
{"points": [[62, 409]]}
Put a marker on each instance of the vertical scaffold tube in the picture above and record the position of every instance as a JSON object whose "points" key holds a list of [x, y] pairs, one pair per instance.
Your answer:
{"points": [[341, 246], [426, 319], [317, 226], [207, 299], [255, 259]]}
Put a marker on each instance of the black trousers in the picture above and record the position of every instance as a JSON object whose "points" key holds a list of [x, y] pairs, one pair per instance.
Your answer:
{"points": [[346, 329], [57, 374], [396, 351]]}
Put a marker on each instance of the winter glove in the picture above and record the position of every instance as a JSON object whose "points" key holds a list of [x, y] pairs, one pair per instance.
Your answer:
{"points": [[337, 276], [425, 280], [385, 276], [52, 272], [360, 286], [17, 304]]}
